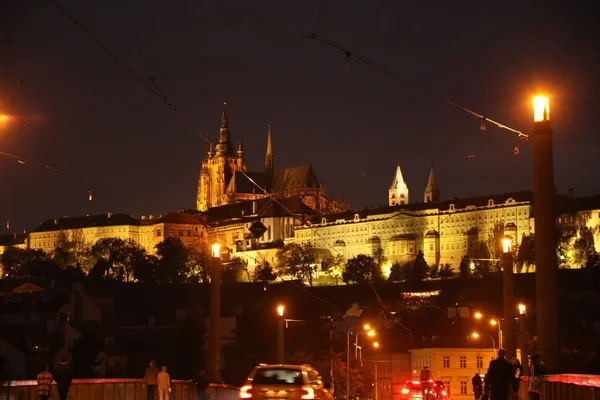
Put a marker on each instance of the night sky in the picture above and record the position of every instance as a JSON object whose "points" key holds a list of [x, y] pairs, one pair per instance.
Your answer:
{"points": [[109, 134]]}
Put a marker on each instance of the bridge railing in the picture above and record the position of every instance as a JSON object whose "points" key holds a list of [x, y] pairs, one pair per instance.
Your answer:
{"points": [[565, 387], [113, 389]]}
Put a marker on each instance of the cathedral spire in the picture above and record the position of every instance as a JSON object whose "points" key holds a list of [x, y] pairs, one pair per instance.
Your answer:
{"points": [[269, 166], [432, 191], [240, 150], [224, 145], [398, 192]]}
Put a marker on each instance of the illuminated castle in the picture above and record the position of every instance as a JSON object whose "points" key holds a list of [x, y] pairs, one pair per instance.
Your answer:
{"points": [[224, 177]]}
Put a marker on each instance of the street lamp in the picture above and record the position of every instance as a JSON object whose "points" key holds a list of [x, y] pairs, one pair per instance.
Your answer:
{"points": [[476, 335], [494, 321], [523, 337], [214, 334], [370, 332], [510, 343], [280, 336], [546, 286]]}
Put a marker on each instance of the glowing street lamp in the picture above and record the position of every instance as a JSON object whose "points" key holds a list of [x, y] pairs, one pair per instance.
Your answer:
{"points": [[371, 333], [478, 315], [376, 344], [280, 334], [216, 250], [546, 285], [214, 333], [506, 244], [541, 109], [476, 335], [366, 327], [522, 309]]}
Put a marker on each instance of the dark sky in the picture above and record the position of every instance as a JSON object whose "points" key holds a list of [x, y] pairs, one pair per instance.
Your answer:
{"points": [[109, 134]]}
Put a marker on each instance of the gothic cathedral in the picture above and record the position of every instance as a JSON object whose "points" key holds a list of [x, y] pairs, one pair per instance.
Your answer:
{"points": [[224, 178]]}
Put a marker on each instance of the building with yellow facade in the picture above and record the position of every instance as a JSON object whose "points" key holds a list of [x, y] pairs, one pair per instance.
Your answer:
{"points": [[444, 231], [146, 231], [225, 179]]}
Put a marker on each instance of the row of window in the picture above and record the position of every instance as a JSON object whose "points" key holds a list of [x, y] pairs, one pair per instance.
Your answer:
{"points": [[462, 362]]}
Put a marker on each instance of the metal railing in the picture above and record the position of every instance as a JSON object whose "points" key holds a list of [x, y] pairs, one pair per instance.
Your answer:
{"points": [[108, 389]]}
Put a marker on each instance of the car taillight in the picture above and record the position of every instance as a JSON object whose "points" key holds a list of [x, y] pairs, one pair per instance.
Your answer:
{"points": [[444, 393], [246, 392], [405, 391], [308, 393]]}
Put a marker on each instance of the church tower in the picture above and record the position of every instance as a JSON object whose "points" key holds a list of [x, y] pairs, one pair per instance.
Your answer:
{"points": [[398, 193], [218, 167], [432, 191], [269, 163]]}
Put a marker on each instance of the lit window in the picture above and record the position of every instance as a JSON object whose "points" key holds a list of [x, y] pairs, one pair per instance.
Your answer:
{"points": [[463, 387], [446, 362], [479, 362], [463, 361]]}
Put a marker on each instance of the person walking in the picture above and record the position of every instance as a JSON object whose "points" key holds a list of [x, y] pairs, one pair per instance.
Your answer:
{"points": [[202, 385], [518, 373], [477, 383], [425, 378], [163, 381], [44, 381], [63, 375], [499, 377], [150, 380], [536, 371]]}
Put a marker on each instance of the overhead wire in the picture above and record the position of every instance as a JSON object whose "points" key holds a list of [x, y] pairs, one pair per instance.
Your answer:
{"points": [[151, 87], [424, 91]]}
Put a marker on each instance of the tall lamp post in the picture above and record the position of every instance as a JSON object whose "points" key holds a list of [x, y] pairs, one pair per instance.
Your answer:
{"points": [[523, 338], [280, 337], [510, 342], [546, 286], [214, 347]]}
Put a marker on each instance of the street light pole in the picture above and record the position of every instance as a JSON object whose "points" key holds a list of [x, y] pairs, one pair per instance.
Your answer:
{"points": [[215, 315], [348, 364], [523, 338], [545, 243], [510, 333], [280, 335]]}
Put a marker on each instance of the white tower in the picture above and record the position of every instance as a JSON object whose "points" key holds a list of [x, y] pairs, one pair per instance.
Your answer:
{"points": [[432, 190], [398, 189]]}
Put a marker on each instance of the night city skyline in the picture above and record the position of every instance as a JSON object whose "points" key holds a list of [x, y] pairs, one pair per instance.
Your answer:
{"points": [[107, 134]]}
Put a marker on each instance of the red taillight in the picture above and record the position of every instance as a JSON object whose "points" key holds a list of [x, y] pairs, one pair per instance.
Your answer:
{"points": [[246, 392], [444, 393], [308, 393]]}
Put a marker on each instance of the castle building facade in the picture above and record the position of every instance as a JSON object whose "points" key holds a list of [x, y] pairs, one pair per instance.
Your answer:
{"points": [[225, 179], [445, 231]]}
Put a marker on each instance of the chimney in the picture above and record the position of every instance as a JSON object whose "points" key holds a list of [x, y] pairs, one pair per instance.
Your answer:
{"points": [[254, 207], [55, 221], [109, 214], [570, 193]]}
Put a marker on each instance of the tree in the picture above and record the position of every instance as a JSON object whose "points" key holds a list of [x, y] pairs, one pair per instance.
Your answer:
{"points": [[563, 248], [399, 272], [297, 260], [584, 251], [64, 251], [236, 270], [446, 272], [144, 270], [264, 272], [198, 266], [434, 271], [359, 269], [526, 253], [464, 269], [173, 261], [20, 263], [494, 247], [116, 258], [483, 264], [420, 269], [380, 260], [334, 265]]}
